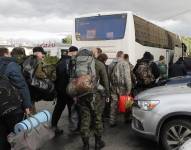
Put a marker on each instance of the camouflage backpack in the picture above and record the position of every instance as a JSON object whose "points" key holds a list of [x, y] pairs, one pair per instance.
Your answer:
{"points": [[83, 74], [119, 74], [144, 73]]}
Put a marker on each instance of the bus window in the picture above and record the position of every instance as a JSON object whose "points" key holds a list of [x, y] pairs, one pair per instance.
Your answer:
{"points": [[149, 34], [108, 27]]}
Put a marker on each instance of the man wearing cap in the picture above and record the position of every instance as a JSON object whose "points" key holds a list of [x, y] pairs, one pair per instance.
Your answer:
{"points": [[33, 66], [62, 80], [39, 55]]}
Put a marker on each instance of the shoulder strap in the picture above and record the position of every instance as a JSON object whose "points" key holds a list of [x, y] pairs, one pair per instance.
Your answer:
{"points": [[90, 71], [35, 67], [72, 67], [115, 64]]}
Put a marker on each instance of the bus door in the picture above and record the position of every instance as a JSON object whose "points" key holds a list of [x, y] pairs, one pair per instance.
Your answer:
{"points": [[177, 53]]}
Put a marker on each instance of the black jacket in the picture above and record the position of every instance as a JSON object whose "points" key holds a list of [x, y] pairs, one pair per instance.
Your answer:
{"points": [[177, 69], [63, 74], [13, 72], [155, 70]]}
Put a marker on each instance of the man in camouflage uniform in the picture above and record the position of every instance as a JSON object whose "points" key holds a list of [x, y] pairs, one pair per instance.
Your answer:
{"points": [[91, 109], [33, 65], [74, 115], [146, 72], [111, 66], [120, 85]]}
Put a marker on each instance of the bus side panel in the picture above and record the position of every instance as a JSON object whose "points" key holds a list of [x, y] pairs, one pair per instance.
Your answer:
{"points": [[129, 43]]}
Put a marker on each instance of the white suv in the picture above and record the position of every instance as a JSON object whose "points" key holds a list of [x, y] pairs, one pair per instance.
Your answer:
{"points": [[164, 114], [186, 145]]}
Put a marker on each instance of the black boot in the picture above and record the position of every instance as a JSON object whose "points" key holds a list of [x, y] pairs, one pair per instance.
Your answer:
{"points": [[99, 143], [86, 143]]}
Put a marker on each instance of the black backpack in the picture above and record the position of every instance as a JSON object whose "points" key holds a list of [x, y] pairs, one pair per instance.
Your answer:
{"points": [[10, 99]]}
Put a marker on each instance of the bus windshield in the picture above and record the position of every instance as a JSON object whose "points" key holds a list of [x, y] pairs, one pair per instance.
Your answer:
{"points": [[108, 27]]}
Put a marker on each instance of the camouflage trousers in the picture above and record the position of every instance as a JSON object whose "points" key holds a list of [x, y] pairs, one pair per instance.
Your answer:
{"points": [[114, 108], [91, 115]]}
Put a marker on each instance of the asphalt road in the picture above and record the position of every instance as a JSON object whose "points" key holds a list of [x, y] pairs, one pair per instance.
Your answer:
{"points": [[119, 138]]}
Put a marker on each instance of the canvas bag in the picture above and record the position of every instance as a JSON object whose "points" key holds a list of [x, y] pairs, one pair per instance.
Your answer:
{"points": [[32, 140], [83, 77]]}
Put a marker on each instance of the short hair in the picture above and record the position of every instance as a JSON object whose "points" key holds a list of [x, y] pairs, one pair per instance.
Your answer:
{"points": [[181, 59], [3, 51], [73, 49], [148, 56], [99, 50], [126, 56], [119, 54], [102, 57], [161, 58], [18, 51], [39, 49]]}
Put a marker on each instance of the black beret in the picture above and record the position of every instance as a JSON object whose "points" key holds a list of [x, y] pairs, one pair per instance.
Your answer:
{"points": [[73, 49]]}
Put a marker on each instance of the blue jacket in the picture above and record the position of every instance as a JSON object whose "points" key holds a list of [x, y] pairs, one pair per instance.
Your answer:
{"points": [[13, 72]]}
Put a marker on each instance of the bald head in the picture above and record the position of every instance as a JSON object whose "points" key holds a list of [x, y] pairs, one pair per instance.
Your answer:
{"points": [[96, 51]]}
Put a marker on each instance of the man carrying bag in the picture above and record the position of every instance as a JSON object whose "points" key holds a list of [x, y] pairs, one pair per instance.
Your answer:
{"points": [[40, 86], [14, 96]]}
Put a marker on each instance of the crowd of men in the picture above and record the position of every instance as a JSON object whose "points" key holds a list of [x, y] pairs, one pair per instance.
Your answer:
{"points": [[86, 113]]}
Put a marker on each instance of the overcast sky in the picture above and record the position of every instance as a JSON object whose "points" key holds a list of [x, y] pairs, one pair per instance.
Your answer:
{"points": [[40, 19]]}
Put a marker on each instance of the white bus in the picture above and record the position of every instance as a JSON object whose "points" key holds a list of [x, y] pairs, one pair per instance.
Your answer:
{"points": [[126, 32]]}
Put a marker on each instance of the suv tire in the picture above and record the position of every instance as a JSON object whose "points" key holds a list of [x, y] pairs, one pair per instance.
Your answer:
{"points": [[175, 133]]}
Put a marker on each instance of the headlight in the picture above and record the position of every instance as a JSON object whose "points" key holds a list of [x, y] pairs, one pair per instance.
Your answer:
{"points": [[148, 105]]}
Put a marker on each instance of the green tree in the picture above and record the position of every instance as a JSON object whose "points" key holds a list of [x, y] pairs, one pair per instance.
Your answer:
{"points": [[67, 40]]}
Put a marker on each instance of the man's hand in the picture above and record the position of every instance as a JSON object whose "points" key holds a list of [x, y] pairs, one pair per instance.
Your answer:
{"points": [[107, 100], [75, 99], [128, 93], [27, 111]]}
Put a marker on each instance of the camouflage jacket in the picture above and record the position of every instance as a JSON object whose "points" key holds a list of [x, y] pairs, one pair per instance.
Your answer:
{"points": [[31, 66], [121, 78]]}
